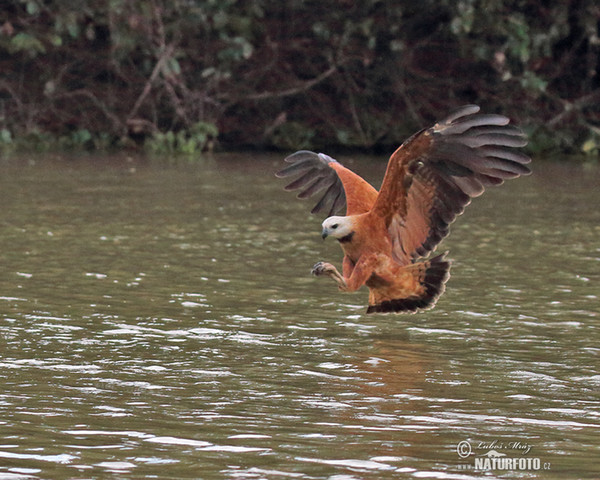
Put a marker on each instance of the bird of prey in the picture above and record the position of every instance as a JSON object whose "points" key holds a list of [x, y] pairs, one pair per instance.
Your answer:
{"points": [[387, 235]]}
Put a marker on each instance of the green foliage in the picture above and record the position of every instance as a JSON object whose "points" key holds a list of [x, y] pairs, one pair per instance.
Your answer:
{"points": [[191, 141], [5, 137], [33, 141], [591, 146], [292, 74], [23, 42], [78, 140], [293, 136], [40, 141]]}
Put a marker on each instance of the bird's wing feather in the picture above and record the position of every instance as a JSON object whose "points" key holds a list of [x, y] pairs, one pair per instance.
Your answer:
{"points": [[340, 187], [432, 177]]}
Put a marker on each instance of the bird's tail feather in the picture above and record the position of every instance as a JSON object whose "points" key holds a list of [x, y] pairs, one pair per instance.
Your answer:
{"points": [[430, 276]]}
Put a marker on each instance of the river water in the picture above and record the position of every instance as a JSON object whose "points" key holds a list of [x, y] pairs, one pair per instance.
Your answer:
{"points": [[158, 320]]}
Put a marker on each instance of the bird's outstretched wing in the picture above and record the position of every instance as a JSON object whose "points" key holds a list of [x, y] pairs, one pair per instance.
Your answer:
{"points": [[318, 173], [432, 177]]}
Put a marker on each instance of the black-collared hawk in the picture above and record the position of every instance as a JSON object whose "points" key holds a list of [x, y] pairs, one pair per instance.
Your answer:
{"points": [[429, 180]]}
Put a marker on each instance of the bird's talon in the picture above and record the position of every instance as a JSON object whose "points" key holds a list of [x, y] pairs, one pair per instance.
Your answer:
{"points": [[318, 269]]}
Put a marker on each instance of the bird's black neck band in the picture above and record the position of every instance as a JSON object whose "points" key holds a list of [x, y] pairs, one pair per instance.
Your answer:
{"points": [[347, 238]]}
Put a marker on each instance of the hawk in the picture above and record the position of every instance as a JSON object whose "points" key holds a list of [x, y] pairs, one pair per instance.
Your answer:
{"points": [[387, 235]]}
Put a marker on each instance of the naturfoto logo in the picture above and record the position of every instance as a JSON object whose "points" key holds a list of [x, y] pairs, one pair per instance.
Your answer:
{"points": [[499, 455]]}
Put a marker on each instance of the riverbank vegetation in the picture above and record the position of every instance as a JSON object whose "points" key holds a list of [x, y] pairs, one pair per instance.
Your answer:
{"points": [[185, 75]]}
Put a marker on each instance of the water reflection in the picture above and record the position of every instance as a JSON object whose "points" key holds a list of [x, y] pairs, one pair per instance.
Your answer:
{"points": [[161, 320]]}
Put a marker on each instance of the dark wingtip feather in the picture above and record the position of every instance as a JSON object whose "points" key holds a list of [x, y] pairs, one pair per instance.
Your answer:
{"points": [[484, 144], [313, 176], [461, 112], [470, 152]]}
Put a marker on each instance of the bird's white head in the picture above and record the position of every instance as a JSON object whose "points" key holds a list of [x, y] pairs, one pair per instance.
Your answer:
{"points": [[338, 227]]}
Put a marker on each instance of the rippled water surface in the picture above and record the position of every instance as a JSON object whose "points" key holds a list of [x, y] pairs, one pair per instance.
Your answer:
{"points": [[158, 320]]}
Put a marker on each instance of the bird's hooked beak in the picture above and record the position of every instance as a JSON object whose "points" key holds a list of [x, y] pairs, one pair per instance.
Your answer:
{"points": [[325, 233]]}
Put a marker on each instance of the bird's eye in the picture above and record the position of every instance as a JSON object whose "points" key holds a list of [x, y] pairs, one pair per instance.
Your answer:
{"points": [[334, 226]]}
